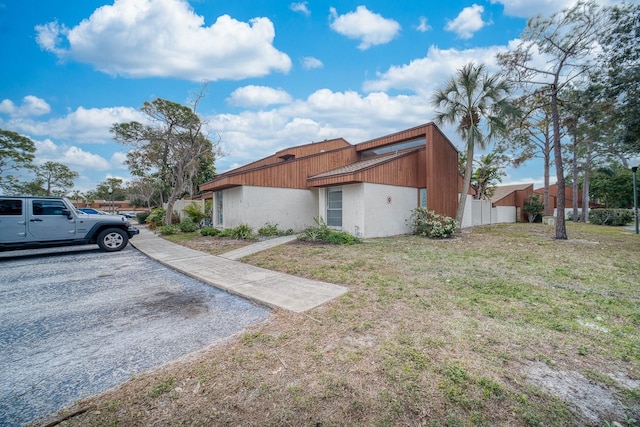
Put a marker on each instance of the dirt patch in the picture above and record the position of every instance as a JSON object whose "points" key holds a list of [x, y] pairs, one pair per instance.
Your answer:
{"points": [[593, 400]]}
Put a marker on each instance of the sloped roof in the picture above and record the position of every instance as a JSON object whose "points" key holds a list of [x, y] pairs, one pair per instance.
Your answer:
{"points": [[358, 166], [503, 191]]}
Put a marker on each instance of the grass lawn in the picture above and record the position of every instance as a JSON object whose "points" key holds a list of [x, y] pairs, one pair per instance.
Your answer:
{"points": [[502, 325]]}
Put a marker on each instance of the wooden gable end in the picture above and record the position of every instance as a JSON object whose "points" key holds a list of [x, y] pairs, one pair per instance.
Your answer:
{"points": [[402, 170]]}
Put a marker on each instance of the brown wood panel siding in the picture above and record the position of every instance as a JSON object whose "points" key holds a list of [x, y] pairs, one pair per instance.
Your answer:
{"points": [[402, 171], [289, 174], [313, 148], [441, 173], [394, 138]]}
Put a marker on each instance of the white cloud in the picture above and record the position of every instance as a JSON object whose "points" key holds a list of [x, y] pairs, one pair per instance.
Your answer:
{"points": [[468, 22], [84, 125], [424, 75], [309, 63], [258, 96], [423, 27], [368, 27], [300, 7], [530, 8], [75, 158], [32, 106], [165, 38]]}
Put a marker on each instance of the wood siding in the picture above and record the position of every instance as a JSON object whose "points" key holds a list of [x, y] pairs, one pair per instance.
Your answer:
{"points": [[402, 171], [298, 152], [442, 173], [286, 174]]}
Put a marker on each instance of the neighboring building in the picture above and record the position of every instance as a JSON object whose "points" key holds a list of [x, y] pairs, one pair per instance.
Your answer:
{"points": [[368, 189], [568, 199], [508, 198]]}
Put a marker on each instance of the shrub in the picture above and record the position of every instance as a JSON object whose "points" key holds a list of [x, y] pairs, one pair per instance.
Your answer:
{"points": [[209, 231], [227, 232], [430, 224], [268, 230], [167, 230], [142, 217], [156, 218], [341, 238], [242, 232], [187, 226], [320, 232], [533, 207], [194, 213], [610, 216]]}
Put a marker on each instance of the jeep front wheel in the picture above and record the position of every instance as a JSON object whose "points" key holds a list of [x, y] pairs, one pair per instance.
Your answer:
{"points": [[112, 239]]}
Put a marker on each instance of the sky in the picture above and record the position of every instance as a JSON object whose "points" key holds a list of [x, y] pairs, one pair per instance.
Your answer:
{"points": [[276, 73]]}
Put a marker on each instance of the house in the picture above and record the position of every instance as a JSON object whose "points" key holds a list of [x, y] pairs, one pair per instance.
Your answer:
{"points": [[511, 197], [367, 189], [568, 199]]}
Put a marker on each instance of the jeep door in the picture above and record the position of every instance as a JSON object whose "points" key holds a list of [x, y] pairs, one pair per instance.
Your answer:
{"points": [[48, 222], [13, 226]]}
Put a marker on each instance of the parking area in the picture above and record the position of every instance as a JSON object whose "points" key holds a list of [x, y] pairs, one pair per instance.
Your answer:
{"points": [[78, 321]]}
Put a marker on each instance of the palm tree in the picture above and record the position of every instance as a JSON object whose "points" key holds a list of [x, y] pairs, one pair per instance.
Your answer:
{"points": [[468, 98]]}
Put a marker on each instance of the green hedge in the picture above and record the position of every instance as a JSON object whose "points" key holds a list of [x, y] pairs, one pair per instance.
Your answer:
{"points": [[617, 217]]}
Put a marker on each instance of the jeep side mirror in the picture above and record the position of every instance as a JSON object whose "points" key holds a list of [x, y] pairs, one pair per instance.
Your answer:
{"points": [[67, 212]]}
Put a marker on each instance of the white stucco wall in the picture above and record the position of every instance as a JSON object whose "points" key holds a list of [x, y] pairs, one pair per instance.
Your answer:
{"points": [[374, 210], [387, 209], [257, 206]]}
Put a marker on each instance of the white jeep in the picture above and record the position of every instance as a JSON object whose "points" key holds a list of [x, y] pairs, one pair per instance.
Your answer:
{"points": [[28, 222]]}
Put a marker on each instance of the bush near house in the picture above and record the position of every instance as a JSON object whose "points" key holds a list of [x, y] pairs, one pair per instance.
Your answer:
{"points": [[616, 217], [187, 225], [241, 232], [209, 231], [322, 233], [271, 230], [430, 224]]}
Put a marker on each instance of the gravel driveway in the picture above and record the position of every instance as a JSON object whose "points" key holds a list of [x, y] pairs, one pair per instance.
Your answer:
{"points": [[78, 321]]}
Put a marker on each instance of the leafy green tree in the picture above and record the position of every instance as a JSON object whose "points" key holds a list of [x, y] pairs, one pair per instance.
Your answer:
{"points": [[487, 176], [566, 41], [613, 186], [56, 179], [173, 146], [16, 154], [478, 103], [620, 71], [533, 207]]}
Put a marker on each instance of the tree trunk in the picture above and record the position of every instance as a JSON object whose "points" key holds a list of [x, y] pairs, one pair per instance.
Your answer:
{"points": [[561, 227], [545, 195], [465, 183], [574, 174], [585, 196]]}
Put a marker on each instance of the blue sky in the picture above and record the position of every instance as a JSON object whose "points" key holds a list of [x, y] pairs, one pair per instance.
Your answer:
{"points": [[279, 73]]}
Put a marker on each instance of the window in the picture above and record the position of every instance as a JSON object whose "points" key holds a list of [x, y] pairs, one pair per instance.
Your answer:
{"points": [[219, 208], [334, 207], [10, 207], [412, 143], [423, 197], [48, 207]]}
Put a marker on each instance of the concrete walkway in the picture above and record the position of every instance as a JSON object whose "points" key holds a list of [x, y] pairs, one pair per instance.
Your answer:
{"points": [[257, 247], [257, 284]]}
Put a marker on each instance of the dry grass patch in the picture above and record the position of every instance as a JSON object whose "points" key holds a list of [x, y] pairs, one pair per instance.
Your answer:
{"points": [[438, 333]]}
